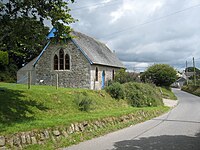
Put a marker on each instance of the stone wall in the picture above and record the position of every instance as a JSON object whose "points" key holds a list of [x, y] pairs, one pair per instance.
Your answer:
{"points": [[77, 76], [20, 140], [97, 85]]}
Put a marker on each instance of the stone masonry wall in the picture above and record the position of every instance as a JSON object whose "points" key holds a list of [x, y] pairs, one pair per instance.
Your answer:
{"points": [[78, 75], [97, 85], [22, 139]]}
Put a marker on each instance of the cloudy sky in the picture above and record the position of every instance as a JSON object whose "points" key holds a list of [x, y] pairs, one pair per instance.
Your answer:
{"points": [[143, 32]]}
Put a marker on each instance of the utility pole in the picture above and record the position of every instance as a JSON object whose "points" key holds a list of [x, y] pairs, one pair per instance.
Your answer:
{"points": [[194, 72], [186, 71]]}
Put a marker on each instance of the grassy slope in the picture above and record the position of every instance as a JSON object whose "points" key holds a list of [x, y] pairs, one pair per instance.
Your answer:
{"points": [[167, 93], [44, 106], [192, 89]]}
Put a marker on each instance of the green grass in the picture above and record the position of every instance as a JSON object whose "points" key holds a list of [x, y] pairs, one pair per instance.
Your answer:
{"points": [[167, 93], [41, 107], [87, 134], [192, 89]]}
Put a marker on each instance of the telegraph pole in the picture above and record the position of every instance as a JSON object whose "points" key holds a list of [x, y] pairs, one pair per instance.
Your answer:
{"points": [[194, 72], [186, 71]]}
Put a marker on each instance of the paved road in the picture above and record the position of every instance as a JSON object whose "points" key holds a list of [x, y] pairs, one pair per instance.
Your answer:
{"points": [[177, 130]]}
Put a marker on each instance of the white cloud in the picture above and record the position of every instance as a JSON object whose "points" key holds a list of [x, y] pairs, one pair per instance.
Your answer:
{"points": [[172, 40]]}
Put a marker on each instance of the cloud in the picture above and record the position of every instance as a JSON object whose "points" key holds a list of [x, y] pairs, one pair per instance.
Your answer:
{"points": [[139, 33]]}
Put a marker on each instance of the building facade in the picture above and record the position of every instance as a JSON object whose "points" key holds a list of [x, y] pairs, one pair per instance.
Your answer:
{"points": [[81, 62]]}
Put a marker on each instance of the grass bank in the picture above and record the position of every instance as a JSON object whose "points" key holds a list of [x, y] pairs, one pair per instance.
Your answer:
{"points": [[90, 133], [23, 109], [192, 89], [42, 107], [167, 93]]}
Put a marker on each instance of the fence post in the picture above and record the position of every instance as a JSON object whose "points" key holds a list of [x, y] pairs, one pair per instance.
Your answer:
{"points": [[29, 79], [56, 81]]}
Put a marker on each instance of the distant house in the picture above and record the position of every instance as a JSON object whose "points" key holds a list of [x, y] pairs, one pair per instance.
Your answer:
{"points": [[80, 62], [180, 82]]}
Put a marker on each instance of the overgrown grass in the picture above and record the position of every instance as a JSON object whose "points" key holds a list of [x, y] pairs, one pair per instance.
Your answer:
{"points": [[142, 94], [41, 107], [192, 89], [86, 135], [167, 93]]}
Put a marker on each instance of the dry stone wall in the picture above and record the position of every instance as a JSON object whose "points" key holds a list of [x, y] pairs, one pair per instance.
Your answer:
{"points": [[20, 140]]}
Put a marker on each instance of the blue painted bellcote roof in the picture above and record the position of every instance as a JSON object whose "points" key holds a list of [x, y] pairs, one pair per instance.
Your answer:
{"points": [[52, 33]]}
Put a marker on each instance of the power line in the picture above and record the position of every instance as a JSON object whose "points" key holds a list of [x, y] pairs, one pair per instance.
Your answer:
{"points": [[96, 4], [153, 20]]}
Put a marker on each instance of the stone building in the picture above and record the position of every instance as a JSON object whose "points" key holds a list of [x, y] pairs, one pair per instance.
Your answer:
{"points": [[80, 62]]}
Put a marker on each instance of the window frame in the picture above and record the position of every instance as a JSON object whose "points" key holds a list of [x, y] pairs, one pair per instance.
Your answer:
{"points": [[61, 61], [96, 74], [113, 74], [55, 64], [67, 62]]}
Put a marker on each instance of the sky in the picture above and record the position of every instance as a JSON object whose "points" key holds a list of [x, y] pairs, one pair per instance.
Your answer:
{"points": [[143, 32]]}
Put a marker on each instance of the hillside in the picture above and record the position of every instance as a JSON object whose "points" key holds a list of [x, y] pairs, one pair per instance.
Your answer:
{"points": [[43, 107], [192, 89]]}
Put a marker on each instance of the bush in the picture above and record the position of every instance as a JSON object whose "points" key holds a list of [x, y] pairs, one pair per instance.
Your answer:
{"points": [[192, 89], [115, 90], [83, 102], [160, 75], [123, 77], [141, 95], [3, 58], [8, 73]]}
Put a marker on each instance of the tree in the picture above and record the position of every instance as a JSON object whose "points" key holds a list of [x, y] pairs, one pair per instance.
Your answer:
{"points": [[160, 75], [3, 58], [23, 32], [122, 76]]}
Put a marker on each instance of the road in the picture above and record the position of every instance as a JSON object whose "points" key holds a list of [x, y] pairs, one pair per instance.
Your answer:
{"points": [[179, 129]]}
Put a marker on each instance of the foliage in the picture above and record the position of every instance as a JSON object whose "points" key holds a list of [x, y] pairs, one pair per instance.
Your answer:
{"points": [[116, 90], [83, 101], [23, 32], [87, 134], [192, 89], [140, 94], [43, 107], [191, 69], [3, 58], [160, 74], [8, 73], [122, 76], [167, 93]]}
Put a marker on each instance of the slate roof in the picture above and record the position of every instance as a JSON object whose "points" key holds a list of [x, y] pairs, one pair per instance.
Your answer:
{"points": [[95, 51]]}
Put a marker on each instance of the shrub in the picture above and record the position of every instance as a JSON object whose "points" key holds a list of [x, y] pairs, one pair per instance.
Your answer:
{"points": [[123, 77], [192, 89], [83, 102], [160, 74], [141, 95], [115, 90], [3, 58]]}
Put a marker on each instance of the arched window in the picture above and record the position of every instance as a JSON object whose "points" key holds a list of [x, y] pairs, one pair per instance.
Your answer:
{"points": [[67, 62], [55, 62], [61, 57], [96, 74], [113, 74]]}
